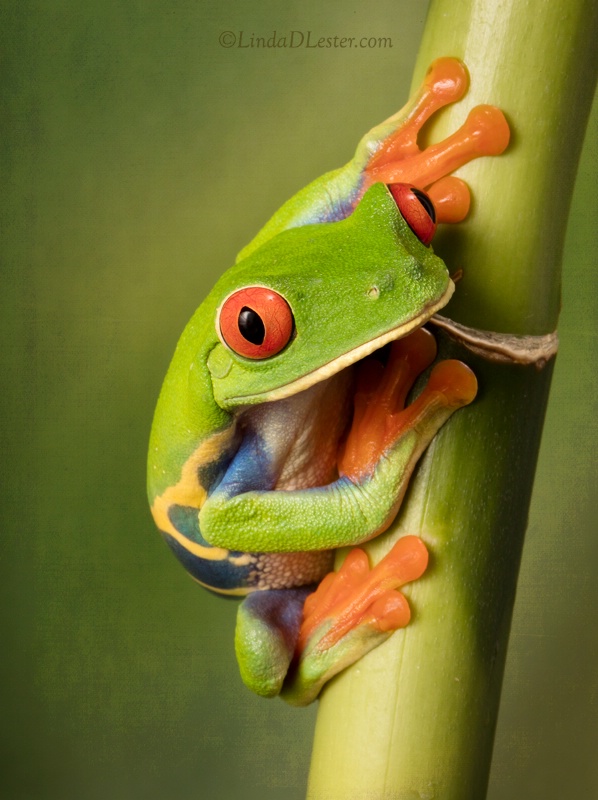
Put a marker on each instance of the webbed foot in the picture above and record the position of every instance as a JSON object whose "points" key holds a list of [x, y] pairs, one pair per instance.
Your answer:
{"points": [[381, 420], [389, 153], [353, 611]]}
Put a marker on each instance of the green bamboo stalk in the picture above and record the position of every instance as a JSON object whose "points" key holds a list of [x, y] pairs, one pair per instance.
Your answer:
{"points": [[416, 717]]}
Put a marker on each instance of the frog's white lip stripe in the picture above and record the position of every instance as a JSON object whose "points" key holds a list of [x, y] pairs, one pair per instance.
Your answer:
{"points": [[332, 367]]}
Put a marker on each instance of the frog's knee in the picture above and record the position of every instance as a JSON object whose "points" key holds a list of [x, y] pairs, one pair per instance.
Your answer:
{"points": [[268, 625]]}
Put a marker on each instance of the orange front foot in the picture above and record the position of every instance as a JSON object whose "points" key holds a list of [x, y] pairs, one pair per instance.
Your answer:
{"points": [[395, 156], [380, 418], [352, 611]]}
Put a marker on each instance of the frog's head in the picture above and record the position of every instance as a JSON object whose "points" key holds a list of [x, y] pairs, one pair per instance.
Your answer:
{"points": [[313, 300]]}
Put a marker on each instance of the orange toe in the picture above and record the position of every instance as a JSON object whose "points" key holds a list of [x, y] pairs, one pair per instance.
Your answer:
{"points": [[357, 595]]}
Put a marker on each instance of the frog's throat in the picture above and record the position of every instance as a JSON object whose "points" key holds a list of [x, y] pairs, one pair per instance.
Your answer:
{"points": [[351, 357]]}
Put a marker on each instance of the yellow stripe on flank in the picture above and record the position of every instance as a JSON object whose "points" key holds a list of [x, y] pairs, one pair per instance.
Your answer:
{"points": [[200, 550], [189, 492], [243, 560]]}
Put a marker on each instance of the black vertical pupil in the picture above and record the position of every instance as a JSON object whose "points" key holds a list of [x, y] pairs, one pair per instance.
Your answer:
{"points": [[426, 203], [251, 326]]}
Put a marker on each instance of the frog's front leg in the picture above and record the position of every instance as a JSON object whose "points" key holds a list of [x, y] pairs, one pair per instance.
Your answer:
{"points": [[389, 153], [384, 444], [356, 609]]}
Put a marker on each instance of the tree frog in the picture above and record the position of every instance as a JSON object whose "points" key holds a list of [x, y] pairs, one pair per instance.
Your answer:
{"points": [[281, 431]]}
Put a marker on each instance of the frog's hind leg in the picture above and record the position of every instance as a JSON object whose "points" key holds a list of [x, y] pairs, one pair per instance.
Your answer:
{"points": [[268, 624]]}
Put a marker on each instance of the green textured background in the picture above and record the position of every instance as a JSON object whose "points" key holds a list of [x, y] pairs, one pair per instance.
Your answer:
{"points": [[138, 156]]}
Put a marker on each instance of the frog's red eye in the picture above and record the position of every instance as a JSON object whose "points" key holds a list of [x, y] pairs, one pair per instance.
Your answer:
{"points": [[256, 322], [417, 210]]}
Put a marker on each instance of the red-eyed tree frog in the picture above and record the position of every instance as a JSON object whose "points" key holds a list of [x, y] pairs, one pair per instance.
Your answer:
{"points": [[281, 432]]}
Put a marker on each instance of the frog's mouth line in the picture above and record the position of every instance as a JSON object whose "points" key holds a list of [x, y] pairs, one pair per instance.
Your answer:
{"points": [[349, 358]]}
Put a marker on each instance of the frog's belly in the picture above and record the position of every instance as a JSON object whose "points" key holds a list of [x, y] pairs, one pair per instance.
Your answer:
{"points": [[234, 573], [287, 570]]}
